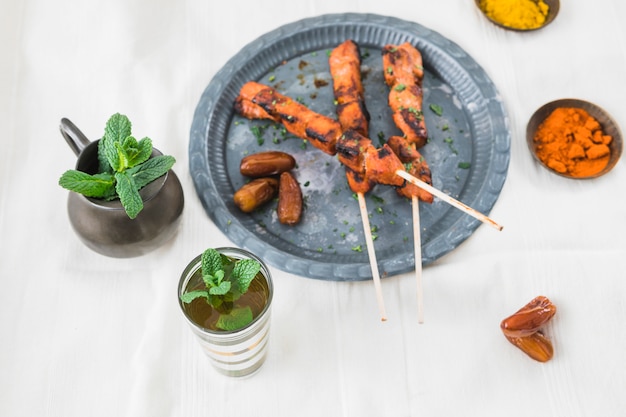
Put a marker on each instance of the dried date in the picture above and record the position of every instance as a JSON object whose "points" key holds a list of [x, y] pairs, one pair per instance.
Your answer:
{"points": [[265, 164], [537, 346], [255, 193], [528, 319], [289, 200], [523, 327]]}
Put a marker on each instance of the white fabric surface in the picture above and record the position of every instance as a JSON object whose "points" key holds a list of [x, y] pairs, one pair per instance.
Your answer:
{"points": [[82, 334]]}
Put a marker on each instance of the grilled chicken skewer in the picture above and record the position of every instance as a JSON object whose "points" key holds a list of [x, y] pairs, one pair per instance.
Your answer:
{"points": [[345, 69], [323, 132], [403, 72]]}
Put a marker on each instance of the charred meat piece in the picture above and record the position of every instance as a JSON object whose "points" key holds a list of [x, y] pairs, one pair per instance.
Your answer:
{"points": [[405, 150], [403, 72], [345, 70], [249, 110], [351, 148], [378, 165], [415, 164], [298, 119], [381, 165], [419, 169], [358, 183]]}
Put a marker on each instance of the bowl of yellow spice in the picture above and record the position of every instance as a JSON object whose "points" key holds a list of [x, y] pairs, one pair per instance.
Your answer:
{"points": [[520, 15], [574, 138]]}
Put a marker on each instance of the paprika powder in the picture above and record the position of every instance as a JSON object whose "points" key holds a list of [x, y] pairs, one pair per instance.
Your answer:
{"points": [[571, 142]]}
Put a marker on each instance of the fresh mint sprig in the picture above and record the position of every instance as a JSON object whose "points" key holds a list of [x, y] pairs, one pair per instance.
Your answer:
{"points": [[124, 167], [226, 280]]}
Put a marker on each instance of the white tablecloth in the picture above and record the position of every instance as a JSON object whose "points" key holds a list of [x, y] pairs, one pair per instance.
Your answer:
{"points": [[83, 334]]}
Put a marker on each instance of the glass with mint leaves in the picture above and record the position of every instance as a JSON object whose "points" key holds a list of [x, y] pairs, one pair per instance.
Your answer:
{"points": [[225, 295], [124, 200]]}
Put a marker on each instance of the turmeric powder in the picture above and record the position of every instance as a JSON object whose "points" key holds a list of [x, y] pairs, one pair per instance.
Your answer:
{"points": [[516, 14], [571, 142]]}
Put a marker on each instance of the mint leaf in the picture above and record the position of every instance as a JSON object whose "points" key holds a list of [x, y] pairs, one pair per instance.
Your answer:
{"points": [[222, 289], [211, 262], [192, 295], [151, 169], [103, 162], [140, 152], [437, 109], [133, 153], [213, 280], [97, 186], [117, 129], [244, 272], [111, 154], [122, 156], [129, 196], [238, 318]]}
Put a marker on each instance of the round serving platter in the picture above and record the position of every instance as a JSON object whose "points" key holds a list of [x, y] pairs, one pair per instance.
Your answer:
{"points": [[468, 149]]}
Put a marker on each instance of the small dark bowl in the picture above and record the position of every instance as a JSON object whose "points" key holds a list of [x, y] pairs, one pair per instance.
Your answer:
{"points": [[609, 127], [553, 10]]}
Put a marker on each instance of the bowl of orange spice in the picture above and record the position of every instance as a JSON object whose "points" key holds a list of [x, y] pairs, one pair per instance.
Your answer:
{"points": [[574, 138], [519, 15]]}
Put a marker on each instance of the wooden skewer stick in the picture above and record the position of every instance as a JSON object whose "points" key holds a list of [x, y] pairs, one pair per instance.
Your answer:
{"points": [[372, 256], [443, 196], [417, 242]]}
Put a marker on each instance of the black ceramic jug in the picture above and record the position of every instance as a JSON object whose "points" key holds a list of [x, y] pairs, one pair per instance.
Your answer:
{"points": [[104, 225]]}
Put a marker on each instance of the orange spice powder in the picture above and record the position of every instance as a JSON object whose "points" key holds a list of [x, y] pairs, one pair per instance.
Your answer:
{"points": [[571, 142]]}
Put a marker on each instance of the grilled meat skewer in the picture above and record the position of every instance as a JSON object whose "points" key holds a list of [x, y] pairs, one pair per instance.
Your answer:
{"points": [[403, 72], [345, 69], [298, 119]]}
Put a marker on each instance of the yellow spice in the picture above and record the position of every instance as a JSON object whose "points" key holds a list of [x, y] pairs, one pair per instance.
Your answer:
{"points": [[517, 14]]}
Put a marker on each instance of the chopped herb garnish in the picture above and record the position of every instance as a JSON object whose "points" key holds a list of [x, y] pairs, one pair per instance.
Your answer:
{"points": [[436, 109], [400, 87], [464, 165], [416, 112]]}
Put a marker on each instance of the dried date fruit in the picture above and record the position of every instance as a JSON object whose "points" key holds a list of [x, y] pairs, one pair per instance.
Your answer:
{"points": [[537, 346], [522, 328], [528, 319], [289, 200], [264, 164], [255, 193]]}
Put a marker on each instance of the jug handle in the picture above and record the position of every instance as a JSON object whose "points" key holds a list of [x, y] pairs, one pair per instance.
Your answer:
{"points": [[73, 136]]}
